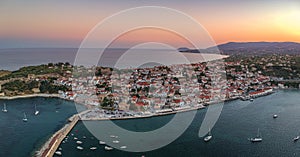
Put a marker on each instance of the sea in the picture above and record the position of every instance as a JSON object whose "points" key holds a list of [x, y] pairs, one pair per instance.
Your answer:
{"points": [[13, 59], [238, 122], [22, 139]]}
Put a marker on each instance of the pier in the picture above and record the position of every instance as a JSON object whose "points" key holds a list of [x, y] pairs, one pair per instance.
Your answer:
{"points": [[53, 143]]}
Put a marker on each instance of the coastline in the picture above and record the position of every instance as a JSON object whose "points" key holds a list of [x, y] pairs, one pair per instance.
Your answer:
{"points": [[31, 96], [51, 145]]}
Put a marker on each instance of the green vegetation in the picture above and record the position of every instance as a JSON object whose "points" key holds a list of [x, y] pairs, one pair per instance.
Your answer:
{"points": [[20, 86], [59, 68], [47, 87], [35, 79]]}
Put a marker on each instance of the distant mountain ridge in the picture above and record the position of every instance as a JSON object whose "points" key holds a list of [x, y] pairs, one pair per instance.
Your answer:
{"points": [[258, 48], [249, 48]]}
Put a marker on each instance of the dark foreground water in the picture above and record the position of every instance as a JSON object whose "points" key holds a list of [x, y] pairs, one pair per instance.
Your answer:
{"points": [[21, 139], [239, 121]]}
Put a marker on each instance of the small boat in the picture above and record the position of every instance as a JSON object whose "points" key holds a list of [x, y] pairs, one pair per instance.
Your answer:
{"points": [[112, 136], [275, 116], [258, 137], [75, 138], [296, 138], [58, 153], [79, 148], [59, 148], [123, 147], [36, 112], [208, 137], [83, 137], [78, 142], [101, 142], [108, 148], [93, 148], [4, 108], [25, 118], [116, 141], [251, 99]]}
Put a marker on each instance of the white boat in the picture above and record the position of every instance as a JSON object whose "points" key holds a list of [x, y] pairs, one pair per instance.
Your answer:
{"points": [[251, 99], [93, 148], [116, 141], [75, 138], [101, 142], [58, 153], [275, 116], [4, 108], [25, 118], [78, 142], [79, 148], [123, 147], [258, 137], [36, 112], [296, 138], [208, 137], [108, 148]]}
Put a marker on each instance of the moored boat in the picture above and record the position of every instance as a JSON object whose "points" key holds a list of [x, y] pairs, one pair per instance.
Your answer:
{"points": [[36, 112], [123, 147], [116, 141], [58, 153], [258, 137], [102, 142], [108, 148], [25, 118], [79, 148], [78, 142], [4, 108], [296, 138], [208, 137]]}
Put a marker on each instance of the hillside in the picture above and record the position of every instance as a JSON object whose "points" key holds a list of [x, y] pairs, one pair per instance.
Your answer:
{"points": [[259, 48]]}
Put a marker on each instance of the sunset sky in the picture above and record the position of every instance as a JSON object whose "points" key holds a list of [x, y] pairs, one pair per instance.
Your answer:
{"points": [[54, 23]]}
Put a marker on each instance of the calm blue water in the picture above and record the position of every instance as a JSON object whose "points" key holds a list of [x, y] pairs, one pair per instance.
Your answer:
{"points": [[20, 139], [13, 59], [239, 121]]}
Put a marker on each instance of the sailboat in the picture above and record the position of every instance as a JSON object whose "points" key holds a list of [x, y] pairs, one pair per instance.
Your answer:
{"points": [[258, 137], [4, 108], [25, 118], [208, 137], [296, 138], [36, 111]]}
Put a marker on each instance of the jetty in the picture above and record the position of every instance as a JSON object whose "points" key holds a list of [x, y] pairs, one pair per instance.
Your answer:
{"points": [[53, 143]]}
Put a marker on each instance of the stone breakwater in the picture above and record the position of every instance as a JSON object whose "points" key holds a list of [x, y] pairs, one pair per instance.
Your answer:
{"points": [[49, 148]]}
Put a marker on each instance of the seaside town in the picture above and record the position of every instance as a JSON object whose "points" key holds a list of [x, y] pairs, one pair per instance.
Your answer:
{"points": [[113, 93]]}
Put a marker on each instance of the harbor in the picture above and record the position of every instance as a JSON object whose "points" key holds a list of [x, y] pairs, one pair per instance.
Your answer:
{"points": [[239, 121], [49, 148]]}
